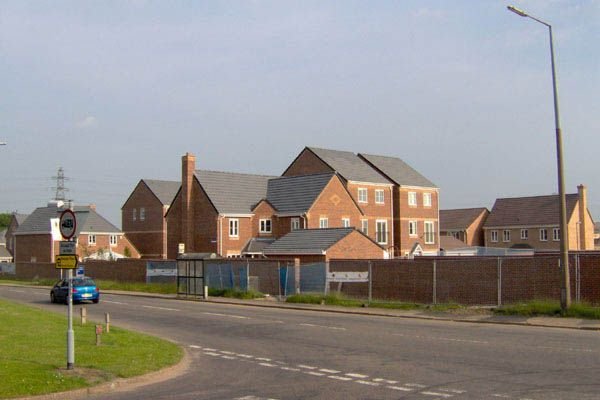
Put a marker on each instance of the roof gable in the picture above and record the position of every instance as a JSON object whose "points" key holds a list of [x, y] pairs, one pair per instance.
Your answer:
{"points": [[460, 218], [233, 193], [529, 211], [397, 171], [349, 166], [88, 220], [308, 241], [164, 191]]}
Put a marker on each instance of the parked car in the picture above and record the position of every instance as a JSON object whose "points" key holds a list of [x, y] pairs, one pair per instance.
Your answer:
{"points": [[84, 289]]}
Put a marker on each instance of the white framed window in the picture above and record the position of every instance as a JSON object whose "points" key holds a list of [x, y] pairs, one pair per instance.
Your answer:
{"points": [[364, 226], [427, 199], [429, 232], [295, 224], [113, 240], [412, 199], [506, 235], [134, 214], [412, 228], [543, 235], [264, 225], [92, 239], [381, 231], [323, 222], [234, 228], [493, 236], [379, 196], [556, 234], [346, 222], [363, 195], [524, 234], [142, 214]]}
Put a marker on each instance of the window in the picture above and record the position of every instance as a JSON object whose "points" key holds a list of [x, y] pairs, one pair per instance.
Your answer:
{"points": [[524, 234], [429, 233], [295, 224], [91, 239], [134, 214], [556, 234], [346, 222], [323, 223], [362, 195], [234, 228], [506, 235], [412, 199], [364, 226], [142, 214], [265, 225], [543, 235], [381, 232], [427, 199], [494, 236], [455, 235], [412, 228], [113, 240], [379, 197]]}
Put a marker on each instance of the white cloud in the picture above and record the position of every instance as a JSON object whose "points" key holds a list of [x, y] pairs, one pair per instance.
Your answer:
{"points": [[87, 122]]}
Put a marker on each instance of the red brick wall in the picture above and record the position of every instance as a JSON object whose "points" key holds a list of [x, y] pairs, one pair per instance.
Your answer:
{"points": [[30, 247], [355, 246], [125, 270], [265, 211], [420, 214], [307, 163], [334, 203]]}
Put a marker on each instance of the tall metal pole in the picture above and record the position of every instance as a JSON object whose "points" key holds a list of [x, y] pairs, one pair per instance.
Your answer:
{"points": [[565, 290], [70, 333]]}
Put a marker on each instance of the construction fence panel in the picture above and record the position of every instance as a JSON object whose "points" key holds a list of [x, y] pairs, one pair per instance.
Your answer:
{"points": [[468, 281]]}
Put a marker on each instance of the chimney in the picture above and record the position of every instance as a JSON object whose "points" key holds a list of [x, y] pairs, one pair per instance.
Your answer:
{"points": [[92, 207], [188, 165], [582, 195]]}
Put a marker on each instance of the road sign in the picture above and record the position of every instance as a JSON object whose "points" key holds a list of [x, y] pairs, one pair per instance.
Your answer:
{"points": [[349, 276], [80, 271], [68, 261], [67, 248], [67, 224]]}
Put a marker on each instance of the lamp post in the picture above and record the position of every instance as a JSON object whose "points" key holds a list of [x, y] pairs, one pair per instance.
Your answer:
{"points": [[565, 290]]}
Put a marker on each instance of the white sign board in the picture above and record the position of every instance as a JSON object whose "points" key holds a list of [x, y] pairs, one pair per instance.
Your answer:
{"points": [[67, 224], [67, 248], [349, 276]]}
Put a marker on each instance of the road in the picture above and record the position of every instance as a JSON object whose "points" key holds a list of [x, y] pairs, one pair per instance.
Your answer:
{"points": [[255, 353]]}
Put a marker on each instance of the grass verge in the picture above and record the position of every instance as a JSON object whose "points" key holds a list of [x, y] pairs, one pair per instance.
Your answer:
{"points": [[161, 288], [33, 353], [235, 293], [549, 308]]}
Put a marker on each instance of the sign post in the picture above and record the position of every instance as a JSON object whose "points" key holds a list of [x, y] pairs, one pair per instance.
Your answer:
{"points": [[68, 260]]}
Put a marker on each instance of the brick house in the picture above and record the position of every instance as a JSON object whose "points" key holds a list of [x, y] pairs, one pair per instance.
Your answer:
{"points": [[317, 245], [415, 208], [37, 238], [464, 224], [15, 221], [533, 222], [372, 192], [5, 256], [143, 216]]}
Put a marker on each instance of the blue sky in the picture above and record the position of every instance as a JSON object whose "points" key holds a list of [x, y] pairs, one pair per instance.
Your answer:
{"points": [[116, 91]]}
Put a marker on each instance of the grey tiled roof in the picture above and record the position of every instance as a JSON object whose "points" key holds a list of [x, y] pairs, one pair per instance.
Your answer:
{"points": [[165, 191], [4, 253], [233, 193], [20, 218], [398, 171], [451, 243], [88, 220], [296, 194], [308, 241], [39, 220], [3, 236], [256, 245], [529, 211], [460, 218], [349, 166]]}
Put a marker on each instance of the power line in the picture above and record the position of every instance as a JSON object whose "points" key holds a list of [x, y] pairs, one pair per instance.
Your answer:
{"points": [[60, 185]]}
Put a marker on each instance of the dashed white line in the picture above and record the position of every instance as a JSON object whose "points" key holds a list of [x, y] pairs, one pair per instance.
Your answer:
{"points": [[115, 302], [502, 396], [209, 353], [455, 391], [16, 291], [340, 378], [329, 371], [313, 373], [209, 349], [228, 357], [444, 395], [226, 315], [324, 326], [400, 388], [161, 308], [442, 338], [354, 375], [368, 383], [290, 369], [265, 364], [306, 366], [385, 381], [227, 352], [263, 359], [417, 385], [193, 346]]}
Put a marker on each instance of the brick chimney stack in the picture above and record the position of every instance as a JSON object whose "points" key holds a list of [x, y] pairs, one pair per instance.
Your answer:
{"points": [[188, 166], [582, 194]]}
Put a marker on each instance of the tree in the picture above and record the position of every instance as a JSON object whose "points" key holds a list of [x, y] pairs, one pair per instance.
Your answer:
{"points": [[5, 220]]}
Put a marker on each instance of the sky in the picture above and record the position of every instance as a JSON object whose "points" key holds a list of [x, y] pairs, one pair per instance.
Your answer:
{"points": [[117, 91]]}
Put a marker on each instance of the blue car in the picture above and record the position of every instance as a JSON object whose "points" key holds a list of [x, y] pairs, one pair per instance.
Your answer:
{"points": [[84, 289]]}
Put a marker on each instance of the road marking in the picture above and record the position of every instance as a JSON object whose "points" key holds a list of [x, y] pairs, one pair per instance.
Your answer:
{"points": [[193, 346], [265, 364], [313, 373], [209, 353], [161, 308], [417, 385], [503, 396], [340, 378], [401, 388], [290, 369], [324, 326], [306, 366], [569, 349], [209, 349], [368, 383], [329, 371], [444, 395], [385, 381], [17, 291], [455, 391], [244, 355], [354, 375], [228, 357], [114, 302], [263, 359], [226, 315], [442, 338]]}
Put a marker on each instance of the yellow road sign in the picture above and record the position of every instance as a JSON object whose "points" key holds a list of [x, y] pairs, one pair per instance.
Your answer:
{"points": [[68, 261]]}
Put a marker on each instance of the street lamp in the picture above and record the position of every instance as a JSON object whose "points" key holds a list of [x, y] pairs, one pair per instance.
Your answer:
{"points": [[565, 290]]}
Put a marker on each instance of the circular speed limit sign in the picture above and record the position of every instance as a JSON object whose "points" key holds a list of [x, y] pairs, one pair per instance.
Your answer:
{"points": [[67, 224]]}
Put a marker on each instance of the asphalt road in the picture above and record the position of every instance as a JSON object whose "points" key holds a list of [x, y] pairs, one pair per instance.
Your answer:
{"points": [[253, 353]]}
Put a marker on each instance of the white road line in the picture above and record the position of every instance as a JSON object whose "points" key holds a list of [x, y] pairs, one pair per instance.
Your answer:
{"points": [[290, 369], [226, 315], [161, 308], [569, 349], [417, 385], [329, 371], [193, 346], [340, 378], [368, 383], [324, 326], [114, 302], [228, 357], [442, 338], [502, 396], [263, 359], [385, 381], [444, 395], [306, 366], [17, 291], [265, 364], [209, 349], [244, 355], [209, 353], [455, 391], [313, 373], [353, 375], [401, 388]]}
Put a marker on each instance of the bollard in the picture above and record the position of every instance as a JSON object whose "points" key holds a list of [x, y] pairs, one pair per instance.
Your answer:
{"points": [[205, 291], [98, 334], [83, 316], [107, 317]]}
